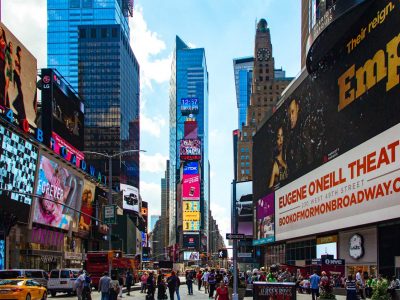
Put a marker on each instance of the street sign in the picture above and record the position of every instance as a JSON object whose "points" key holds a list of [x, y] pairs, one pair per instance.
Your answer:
{"points": [[222, 253], [110, 214], [235, 236], [245, 255]]}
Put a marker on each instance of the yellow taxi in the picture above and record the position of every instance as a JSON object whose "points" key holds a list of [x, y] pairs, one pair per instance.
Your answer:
{"points": [[22, 289]]}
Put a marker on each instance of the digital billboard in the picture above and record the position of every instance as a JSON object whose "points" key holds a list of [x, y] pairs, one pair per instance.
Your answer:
{"points": [[190, 149], [18, 163], [265, 220], [62, 109], [244, 207], [191, 241], [191, 225], [144, 212], [190, 130], [327, 150], [191, 205], [190, 187], [130, 194], [18, 67], [188, 255], [191, 168], [189, 106], [88, 194], [60, 184], [191, 216], [66, 150], [101, 201]]}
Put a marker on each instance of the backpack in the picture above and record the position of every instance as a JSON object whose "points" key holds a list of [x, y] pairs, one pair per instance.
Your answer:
{"points": [[87, 281], [211, 278]]}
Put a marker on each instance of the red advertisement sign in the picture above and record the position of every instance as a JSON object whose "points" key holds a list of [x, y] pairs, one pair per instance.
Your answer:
{"points": [[191, 187], [190, 130], [66, 150]]}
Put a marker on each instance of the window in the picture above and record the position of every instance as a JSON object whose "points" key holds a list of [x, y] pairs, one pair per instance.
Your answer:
{"points": [[242, 150], [242, 164], [64, 274], [104, 33], [54, 274], [242, 172], [87, 3], [74, 3], [114, 32], [247, 171], [93, 33], [82, 33]]}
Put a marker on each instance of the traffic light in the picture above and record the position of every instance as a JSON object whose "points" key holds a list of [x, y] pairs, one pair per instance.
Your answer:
{"points": [[222, 253]]}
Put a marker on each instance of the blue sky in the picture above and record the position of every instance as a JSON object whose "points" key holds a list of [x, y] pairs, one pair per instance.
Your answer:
{"points": [[226, 29]]}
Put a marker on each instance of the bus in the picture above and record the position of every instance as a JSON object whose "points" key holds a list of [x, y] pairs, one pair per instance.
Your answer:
{"points": [[98, 262]]}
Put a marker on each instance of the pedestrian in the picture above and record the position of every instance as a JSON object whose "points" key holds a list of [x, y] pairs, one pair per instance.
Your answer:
{"points": [[199, 281], [87, 287], [150, 283], [172, 282], [211, 283], [161, 287], [121, 284], [351, 288], [205, 281], [178, 284], [222, 292], [143, 282], [129, 282], [189, 282], [104, 286], [78, 285], [314, 284], [114, 287], [360, 283]]}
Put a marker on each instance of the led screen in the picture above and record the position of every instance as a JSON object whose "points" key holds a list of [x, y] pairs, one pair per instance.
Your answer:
{"points": [[131, 201], [189, 106], [188, 255], [191, 187], [190, 149], [265, 220], [88, 194]]}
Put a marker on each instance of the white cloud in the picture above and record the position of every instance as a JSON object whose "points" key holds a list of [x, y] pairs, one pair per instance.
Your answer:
{"points": [[153, 163], [151, 125], [146, 44], [151, 193], [28, 21]]}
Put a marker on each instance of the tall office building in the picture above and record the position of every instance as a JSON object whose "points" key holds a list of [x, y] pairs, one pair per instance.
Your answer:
{"points": [[243, 69], [63, 19], [189, 166], [265, 92], [153, 220], [165, 206]]}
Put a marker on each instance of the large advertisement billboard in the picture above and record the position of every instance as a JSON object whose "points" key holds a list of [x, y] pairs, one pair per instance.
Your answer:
{"points": [[18, 162], [191, 241], [101, 201], [190, 130], [189, 106], [190, 149], [265, 220], [352, 102], [244, 207], [188, 255], [191, 168], [190, 187], [60, 184], [18, 68], [130, 194], [88, 194], [66, 150]]}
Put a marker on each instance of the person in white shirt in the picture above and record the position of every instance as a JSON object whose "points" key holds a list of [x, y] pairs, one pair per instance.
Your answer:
{"points": [[205, 281], [361, 284]]}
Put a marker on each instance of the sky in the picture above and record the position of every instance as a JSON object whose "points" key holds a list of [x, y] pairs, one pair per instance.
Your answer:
{"points": [[226, 30]]}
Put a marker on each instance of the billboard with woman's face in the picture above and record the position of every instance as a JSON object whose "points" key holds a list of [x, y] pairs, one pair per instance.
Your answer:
{"points": [[17, 81], [57, 184], [88, 194], [265, 220]]}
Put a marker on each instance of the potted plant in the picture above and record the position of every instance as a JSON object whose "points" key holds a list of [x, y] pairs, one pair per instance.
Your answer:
{"points": [[380, 290], [326, 290]]}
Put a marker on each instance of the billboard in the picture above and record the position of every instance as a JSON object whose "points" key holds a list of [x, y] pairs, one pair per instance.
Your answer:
{"points": [[191, 241], [17, 82], [101, 201], [244, 207], [144, 212], [66, 150], [18, 162], [188, 255], [60, 184], [191, 216], [191, 225], [191, 168], [190, 130], [190, 149], [191, 205], [130, 196], [265, 220], [351, 103], [189, 106], [62, 109], [88, 195], [191, 187]]}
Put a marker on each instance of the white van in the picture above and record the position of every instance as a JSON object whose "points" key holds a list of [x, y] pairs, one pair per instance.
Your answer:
{"points": [[62, 281]]}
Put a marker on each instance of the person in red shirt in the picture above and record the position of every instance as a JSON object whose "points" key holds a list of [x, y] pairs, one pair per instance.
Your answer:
{"points": [[222, 292], [198, 277]]}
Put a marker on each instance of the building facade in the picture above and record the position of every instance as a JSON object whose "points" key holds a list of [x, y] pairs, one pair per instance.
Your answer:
{"points": [[265, 92], [153, 220], [165, 206], [63, 19], [188, 118]]}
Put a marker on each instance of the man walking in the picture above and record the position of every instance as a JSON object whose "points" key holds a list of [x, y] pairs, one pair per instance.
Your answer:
{"points": [[104, 286], [172, 283], [211, 283], [79, 284], [128, 281], [314, 284]]}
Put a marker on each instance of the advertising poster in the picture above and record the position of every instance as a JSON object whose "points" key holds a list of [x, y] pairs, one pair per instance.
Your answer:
{"points": [[244, 207], [190, 149], [88, 194], [191, 225], [17, 81], [130, 196], [58, 183], [191, 187], [191, 216], [191, 168], [188, 255], [191, 241], [190, 130], [66, 150], [191, 205], [18, 163], [265, 220], [313, 148], [101, 201]]}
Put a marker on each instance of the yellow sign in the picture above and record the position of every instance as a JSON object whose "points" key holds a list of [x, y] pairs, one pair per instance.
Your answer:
{"points": [[191, 216], [191, 225], [191, 206], [327, 239]]}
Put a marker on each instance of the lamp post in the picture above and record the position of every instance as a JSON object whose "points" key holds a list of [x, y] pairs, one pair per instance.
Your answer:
{"points": [[110, 157]]}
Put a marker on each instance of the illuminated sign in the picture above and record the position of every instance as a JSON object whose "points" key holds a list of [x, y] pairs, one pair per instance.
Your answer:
{"points": [[191, 225], [190, 149], [191, 187], [191, 216], [189, 106]]}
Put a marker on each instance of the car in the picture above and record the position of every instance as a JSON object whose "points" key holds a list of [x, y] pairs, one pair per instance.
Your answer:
{"points": [[62, 281], [22, 289], [38, 275]]}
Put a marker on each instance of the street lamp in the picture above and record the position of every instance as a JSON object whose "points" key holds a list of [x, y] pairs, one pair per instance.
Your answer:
{"points": [[110, 157]]}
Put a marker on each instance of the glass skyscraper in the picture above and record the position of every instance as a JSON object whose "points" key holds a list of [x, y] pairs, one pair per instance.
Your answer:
{"points": [[63, 19], [189, 79], [243, 69]]}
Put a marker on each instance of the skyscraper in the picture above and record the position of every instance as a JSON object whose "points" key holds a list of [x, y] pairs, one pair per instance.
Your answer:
{"points": [[243, 69], [63, 19], [189, 146], [165, 206]]}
